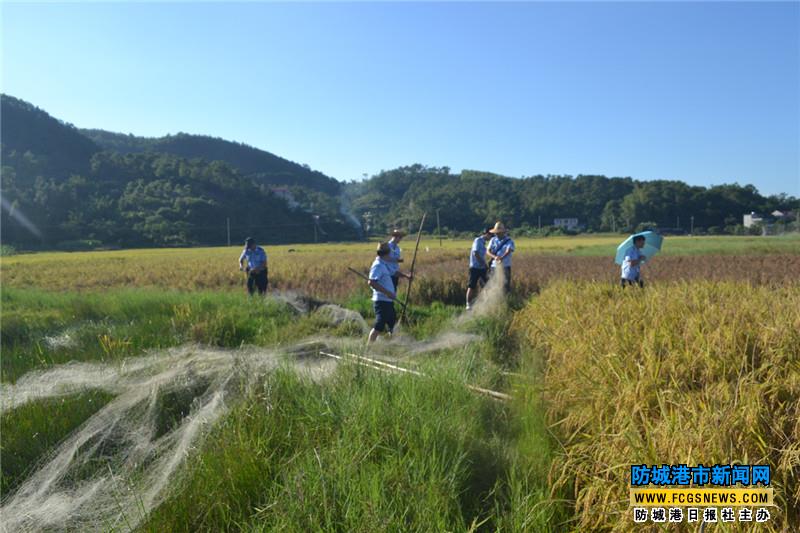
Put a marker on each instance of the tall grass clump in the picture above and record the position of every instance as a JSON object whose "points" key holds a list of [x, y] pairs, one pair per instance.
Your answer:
{"points": [[681, 373], [361, 451]]}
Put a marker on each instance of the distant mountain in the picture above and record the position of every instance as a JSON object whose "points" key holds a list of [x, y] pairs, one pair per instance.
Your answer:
{"points": [[262, 166], [60, 149], [61, 189], [471, 200], [69, 188]]}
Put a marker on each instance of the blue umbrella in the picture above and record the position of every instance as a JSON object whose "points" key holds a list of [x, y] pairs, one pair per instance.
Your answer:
{"points": [[652, 245]]}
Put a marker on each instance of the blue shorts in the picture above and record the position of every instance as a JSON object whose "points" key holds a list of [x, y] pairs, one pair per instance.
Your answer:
{"points": [[384, 315]]}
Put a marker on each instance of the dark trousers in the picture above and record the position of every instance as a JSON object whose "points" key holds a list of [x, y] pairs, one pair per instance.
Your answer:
{"points": [[507, 282], [636, 281], [257, 280]]}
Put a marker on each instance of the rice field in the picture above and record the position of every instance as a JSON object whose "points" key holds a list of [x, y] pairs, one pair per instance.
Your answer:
{"points": [[230, 420], [701, 373], [321, 271]]}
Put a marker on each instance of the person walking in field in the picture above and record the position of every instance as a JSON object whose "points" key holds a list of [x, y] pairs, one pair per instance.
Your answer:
{"points": [[632, 263], [478, 269], [500, 249], [383, 292], [394, 259], [254, 261]]}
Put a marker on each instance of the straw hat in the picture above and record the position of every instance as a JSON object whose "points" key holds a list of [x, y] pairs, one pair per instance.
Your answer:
{"points": [[383, 248], [498, 228], [398, 233]]}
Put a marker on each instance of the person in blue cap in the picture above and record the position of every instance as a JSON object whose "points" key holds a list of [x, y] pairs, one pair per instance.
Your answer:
{"points": [[478, 269], [633, 260], [254, 261]]}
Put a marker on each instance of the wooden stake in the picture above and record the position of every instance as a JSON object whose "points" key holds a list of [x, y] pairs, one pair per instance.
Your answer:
{"points": [[413, 263]]}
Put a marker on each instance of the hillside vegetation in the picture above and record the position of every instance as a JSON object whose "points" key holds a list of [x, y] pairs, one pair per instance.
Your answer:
{"points": [[82, 189], [61, 190]]}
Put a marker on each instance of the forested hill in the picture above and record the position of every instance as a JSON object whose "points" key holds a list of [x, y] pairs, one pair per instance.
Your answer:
{"points": [[69, 188], [61, 190], [262, 166], [60, 149], [471, 199]]}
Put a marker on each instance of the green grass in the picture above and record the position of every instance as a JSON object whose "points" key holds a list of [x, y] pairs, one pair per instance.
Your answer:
{"points": [[360, 451], [363, 451], [28, 432], [41, 329]]}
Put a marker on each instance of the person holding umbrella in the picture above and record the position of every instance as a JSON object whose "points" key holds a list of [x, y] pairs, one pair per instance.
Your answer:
{"points": [[634, 251], [254, 261], [631, 263]]}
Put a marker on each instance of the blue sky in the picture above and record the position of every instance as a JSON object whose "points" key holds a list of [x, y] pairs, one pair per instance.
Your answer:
{"points": [[702, 92]]}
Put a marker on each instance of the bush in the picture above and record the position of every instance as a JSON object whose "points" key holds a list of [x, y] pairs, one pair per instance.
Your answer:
{"points": [[6, 250]]}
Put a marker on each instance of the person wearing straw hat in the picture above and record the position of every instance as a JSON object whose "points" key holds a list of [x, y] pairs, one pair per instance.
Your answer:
{"points": [[394, 259], [478, 269], [383, 293], [253, 260], [500, 249]]}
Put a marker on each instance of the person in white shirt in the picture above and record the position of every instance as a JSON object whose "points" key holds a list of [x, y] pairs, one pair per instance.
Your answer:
{"points": [[632, 263], [500, 249], [394, 258], [383, 293], [478, 269], [253, 260]]}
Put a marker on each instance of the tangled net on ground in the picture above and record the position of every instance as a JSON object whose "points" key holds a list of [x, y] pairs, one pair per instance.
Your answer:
{"points": [[119, 465]]}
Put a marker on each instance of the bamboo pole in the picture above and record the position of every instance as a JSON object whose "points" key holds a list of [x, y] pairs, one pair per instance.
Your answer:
{"points": [[382, 366], [413, 263], [359, 274]]}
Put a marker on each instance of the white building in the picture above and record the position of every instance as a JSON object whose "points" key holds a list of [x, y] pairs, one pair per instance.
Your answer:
{"points": [[752, 219], [566, 223]]}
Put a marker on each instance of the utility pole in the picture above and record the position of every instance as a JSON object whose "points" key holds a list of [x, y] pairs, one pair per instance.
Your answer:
{"points": [[438, 230], [691, 220], [316, 218], [228, 224], [540, 223]]}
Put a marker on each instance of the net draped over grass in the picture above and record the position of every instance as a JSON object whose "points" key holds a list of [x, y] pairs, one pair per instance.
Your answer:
{"points": [[675, 374], [360, 452], [41, 328]]}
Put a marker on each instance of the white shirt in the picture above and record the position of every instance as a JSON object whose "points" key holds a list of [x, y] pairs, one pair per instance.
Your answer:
{"points": [[379, 272], [630, 271], [499, 247]]}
